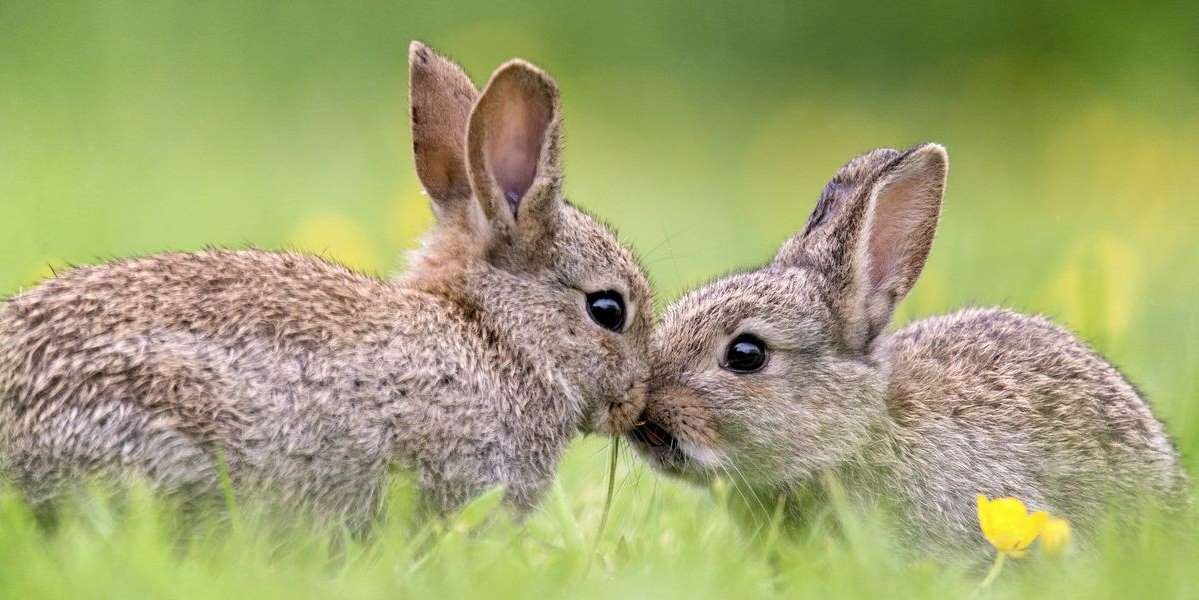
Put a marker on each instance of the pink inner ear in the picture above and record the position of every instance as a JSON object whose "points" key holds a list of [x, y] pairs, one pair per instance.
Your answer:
{"points": [[514, 147], [901, 221]]}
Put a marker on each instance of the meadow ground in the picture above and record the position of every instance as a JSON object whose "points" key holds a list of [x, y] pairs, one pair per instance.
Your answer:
{"points": [[703, 133]]}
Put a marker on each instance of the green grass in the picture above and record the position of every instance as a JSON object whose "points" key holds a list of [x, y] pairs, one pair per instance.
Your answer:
{"points": [[663, 541], [704, 133]]}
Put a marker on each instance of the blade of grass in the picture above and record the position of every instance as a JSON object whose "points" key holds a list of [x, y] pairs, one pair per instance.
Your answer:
{"points": [[603, 524], [611, 488]]}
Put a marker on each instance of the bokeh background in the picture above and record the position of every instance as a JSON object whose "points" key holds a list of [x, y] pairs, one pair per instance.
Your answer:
{"points": [[702, 130]]}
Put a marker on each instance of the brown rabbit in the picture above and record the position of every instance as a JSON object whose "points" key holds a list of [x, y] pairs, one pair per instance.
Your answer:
{"points": [[522, 322], [783, 376]]}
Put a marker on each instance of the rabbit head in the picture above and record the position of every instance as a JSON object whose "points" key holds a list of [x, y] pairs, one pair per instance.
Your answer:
{"points": [[541, 276], [771, 375]]}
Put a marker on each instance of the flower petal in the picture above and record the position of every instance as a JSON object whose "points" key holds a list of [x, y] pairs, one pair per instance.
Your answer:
{"points": [[1007, 524], [1036, 523], [1055, 536]]}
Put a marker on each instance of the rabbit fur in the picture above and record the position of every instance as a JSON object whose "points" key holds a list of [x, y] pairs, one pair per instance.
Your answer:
{"points": [[312, 382], [917, 421]]}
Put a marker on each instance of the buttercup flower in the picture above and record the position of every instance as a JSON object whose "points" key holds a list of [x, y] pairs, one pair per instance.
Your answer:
{"points": [[1007, 524], [1055, 536]]}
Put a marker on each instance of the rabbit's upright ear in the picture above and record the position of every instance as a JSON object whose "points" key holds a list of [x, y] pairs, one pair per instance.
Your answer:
{"points": [[871, 233], [441, 97], [512, 149]]}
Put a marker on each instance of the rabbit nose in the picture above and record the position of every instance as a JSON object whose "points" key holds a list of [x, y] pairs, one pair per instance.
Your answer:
{"points": [[623, 413]]}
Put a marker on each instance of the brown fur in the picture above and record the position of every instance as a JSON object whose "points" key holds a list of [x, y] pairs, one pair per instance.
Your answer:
{"points": [[918, 421], [474, 369]]}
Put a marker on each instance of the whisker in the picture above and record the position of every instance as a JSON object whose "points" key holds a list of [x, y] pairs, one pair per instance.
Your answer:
{"points": [[740, 492], [765, 511]]}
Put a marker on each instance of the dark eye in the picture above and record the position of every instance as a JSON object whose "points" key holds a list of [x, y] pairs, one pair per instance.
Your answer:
{"points": [[607, 309], [746, 354]]}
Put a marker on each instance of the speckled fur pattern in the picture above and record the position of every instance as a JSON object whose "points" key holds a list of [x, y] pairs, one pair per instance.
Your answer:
{"points": [[918, 421], [313, 382]]}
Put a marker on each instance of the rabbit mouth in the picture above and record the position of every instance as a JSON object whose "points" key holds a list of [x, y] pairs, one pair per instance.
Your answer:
{"points": [[671, 455]]}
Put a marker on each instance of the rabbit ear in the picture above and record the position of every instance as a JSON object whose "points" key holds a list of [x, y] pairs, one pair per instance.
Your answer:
{"points": [[512, 147], [441, 97], [871, 233]]}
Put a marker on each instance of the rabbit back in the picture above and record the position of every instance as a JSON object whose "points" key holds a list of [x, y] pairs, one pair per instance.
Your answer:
{"points": [[305, 377], [995, 402]]}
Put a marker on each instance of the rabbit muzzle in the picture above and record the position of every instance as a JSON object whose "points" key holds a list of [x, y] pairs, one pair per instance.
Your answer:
{"points": [[676, 435], [620, 415]]}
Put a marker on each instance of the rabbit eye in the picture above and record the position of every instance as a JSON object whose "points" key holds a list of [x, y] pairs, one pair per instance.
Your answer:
{"points": [[606, 309], [745, 354]]}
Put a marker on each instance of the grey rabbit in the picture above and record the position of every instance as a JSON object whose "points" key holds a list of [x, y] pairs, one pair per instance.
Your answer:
{"points": [[783, 378], [521, 322]]}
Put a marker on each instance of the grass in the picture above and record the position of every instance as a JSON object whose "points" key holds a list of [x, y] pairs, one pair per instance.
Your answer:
{"points": [[663, 540], [704, 133]]}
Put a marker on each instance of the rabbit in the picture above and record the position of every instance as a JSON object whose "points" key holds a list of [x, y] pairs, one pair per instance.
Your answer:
{"points": [[783, 379], [521, 322]]}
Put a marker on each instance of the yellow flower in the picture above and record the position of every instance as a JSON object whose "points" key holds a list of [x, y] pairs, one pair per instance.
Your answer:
{"points": [[1055, 537], [1007, 524]]}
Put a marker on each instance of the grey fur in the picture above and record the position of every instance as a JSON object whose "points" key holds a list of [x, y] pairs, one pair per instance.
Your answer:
{"points": [[474, 369], [918, 421]]}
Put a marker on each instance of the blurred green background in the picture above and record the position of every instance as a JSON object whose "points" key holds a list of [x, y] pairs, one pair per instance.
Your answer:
{"points": [[702, 130]]}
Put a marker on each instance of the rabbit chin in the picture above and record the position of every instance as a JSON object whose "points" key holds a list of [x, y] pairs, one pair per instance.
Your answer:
{"points": [[680, 458]]}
